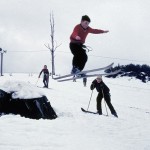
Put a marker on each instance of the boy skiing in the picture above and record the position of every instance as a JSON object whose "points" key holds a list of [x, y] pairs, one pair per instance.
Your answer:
{"points": [[77, 39], [103, 92], [45, 76]]}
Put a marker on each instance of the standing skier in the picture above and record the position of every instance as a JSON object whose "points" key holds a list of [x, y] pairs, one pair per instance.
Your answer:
{"points": [[103, 92], [84, 81], [77, 39], [45, 76]]}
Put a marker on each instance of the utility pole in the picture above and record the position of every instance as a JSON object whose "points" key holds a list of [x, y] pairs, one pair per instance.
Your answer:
{"points": [[2, 52]]}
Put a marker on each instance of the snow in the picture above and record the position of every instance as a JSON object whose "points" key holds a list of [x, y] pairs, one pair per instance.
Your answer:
{"points": [[21, 90], [73, 129]]}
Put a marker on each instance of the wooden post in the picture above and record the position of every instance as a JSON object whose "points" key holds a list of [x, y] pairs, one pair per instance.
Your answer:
{"points": [[2, 52]]}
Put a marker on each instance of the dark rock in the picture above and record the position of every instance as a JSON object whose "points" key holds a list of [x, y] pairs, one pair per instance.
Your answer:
{"points": [[35, 108]]}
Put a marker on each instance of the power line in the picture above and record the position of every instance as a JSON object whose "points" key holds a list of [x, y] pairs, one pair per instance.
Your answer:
{"points": [[104, 57], [28, 51]]}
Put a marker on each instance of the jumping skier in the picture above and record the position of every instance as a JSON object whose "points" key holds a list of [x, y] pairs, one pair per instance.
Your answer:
{"points": [[77, 39], [45, 76], [103, 92]]}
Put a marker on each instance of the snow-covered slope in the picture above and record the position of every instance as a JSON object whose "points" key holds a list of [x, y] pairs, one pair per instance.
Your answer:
{"points": [[75, 130]]}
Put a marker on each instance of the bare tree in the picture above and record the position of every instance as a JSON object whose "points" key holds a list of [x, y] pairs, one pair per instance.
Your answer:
{"points": [[53, 44]]}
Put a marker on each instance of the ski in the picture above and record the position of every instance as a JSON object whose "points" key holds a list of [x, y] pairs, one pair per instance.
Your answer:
{"points": [[85, 72], [86, 111], [91, 112], [88, 76], [43, 87]]}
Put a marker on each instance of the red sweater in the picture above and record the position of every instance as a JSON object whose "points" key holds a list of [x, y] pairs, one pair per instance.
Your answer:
{"points": [[82, 33]]}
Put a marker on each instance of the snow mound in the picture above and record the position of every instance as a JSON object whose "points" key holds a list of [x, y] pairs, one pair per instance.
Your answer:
{"points": [[21, 90]]}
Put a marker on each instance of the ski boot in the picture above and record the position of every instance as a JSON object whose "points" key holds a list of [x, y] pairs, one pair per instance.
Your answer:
{"points": [[75, 70], [99, 112]]}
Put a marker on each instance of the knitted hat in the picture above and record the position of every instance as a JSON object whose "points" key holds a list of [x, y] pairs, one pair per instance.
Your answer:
{"points": [[85, 18], [99, 77]]}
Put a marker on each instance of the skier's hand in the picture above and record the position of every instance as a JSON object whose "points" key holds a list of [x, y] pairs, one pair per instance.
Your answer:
{"points": [[78, 38], [106, 31], [92, 86]]}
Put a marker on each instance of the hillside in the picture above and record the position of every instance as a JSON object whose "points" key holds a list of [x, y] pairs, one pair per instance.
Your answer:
{"points": [[75, 130]]}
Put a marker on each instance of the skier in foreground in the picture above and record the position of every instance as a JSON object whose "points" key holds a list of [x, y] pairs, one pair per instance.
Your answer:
{"points": [[77, 39], [103, 92], [45, 76]]}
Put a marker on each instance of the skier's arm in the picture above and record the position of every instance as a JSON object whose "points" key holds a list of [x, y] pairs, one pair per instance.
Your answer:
{"points": [[92, 87], [40, 73], [97, 31]]}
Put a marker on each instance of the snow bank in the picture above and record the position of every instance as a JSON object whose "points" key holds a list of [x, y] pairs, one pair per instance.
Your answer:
{"points": [[21, 90]]}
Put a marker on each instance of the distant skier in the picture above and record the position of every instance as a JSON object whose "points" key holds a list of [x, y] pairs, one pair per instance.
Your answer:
{"points": [[103, 92], [77, 39], [84, 81], [45, 76]]}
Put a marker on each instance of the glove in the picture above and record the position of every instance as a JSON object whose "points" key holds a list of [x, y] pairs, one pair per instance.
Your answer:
{"points": [[92, 86]]}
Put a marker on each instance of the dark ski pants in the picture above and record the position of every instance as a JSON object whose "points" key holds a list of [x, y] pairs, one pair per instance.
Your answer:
{"points": [[79, 55], [107, 100], [46, 80]]}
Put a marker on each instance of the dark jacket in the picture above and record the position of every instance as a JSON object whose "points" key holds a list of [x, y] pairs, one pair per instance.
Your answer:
{"points": [[100, 87]]}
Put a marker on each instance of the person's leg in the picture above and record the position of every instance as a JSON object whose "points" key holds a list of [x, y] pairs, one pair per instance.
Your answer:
{"points": [[83, 59], [79, 56], [75, 51], [44, 81], [47, 83], [47, 80], [108, 101], [99, 101]]}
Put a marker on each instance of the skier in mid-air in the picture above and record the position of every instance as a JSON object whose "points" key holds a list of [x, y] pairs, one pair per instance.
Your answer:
{"points": [[45, 76], [77, 39], [103, 92]]}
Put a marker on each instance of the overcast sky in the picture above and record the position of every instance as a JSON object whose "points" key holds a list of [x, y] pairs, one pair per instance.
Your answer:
{"points": [[24, 29]]}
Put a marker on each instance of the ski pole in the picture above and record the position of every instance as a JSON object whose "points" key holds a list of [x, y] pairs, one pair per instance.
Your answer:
{"points": [[90, 100], [105, 103]]}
